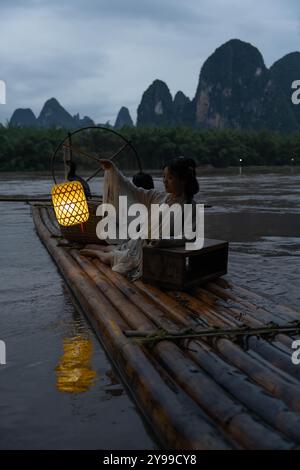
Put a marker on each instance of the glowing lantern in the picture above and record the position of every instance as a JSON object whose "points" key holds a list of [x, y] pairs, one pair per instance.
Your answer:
{"points": [[69, 203]]}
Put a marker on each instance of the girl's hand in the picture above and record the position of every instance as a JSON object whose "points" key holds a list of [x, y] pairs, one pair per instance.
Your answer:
{"points": [[106, 164]]}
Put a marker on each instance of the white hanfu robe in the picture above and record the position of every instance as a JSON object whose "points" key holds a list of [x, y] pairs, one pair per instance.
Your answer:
{"points": [[128, 254]]}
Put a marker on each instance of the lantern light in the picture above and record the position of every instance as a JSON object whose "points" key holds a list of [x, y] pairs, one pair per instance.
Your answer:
{"points": [[74, 372], [70, 203]]}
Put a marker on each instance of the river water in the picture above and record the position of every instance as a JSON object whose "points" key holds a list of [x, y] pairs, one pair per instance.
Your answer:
{"points": [[58, 389]]}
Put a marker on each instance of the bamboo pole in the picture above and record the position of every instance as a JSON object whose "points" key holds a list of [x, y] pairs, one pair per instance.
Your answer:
{"points": [[275, 382], [260, 299], [196, 386], [192, 333], [286, 361], [228, 315], [129, 312], [231, 415], [240, 312], [177, 421], [23, 199], [48, 223], [228, 295], [269, 408], [273, 352], [239, 421], [149, 308], [283, 414], [170, 306], [261, 373]]}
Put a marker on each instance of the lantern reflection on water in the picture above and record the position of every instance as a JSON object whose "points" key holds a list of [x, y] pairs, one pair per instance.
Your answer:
{"points": [[70, 203], [74, 373]]}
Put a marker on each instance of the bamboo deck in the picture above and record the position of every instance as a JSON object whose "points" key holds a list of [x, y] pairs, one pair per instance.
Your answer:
{"points": [[195, 394]]}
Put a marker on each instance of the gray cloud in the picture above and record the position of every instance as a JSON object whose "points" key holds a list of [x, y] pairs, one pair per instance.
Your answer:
{"points": [[173, 11], [95, 56]]}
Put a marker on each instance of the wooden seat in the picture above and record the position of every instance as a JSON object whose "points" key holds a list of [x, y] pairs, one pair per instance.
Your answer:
{"points": [[178, 268]]}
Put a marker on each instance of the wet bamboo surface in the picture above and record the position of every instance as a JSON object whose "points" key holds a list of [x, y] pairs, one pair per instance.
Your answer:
{"points": [[195, 394]]}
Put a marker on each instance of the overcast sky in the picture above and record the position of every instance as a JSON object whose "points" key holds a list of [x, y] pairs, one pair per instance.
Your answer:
{"points": [[95, 56]]}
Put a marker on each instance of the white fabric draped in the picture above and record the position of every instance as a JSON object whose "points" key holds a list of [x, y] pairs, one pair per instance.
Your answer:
{"points": [[128, 254]]}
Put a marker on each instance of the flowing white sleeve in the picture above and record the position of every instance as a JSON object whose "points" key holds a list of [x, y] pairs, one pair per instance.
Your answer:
{"points": [[116, 184]]}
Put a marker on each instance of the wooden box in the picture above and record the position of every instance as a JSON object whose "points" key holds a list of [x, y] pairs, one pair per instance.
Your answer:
{"points": [[177, 268]]}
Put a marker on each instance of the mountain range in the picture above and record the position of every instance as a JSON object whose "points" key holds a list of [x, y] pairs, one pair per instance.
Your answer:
{"points": [[52, 115], [235, 90]]}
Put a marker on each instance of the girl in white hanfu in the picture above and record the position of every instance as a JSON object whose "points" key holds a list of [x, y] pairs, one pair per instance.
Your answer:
{"points": [[126, 257]]}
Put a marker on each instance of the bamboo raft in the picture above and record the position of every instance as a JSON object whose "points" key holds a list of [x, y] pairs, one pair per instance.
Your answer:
{"points": [[196, 393]]}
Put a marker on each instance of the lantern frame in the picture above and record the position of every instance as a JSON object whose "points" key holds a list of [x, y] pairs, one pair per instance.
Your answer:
{"points": [[68, 138]]}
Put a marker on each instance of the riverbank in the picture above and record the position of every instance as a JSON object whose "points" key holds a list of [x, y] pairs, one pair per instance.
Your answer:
{"points": [[201, 169]]}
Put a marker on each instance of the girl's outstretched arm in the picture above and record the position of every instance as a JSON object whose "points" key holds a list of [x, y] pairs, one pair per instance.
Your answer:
{"points": [[117, 184]]}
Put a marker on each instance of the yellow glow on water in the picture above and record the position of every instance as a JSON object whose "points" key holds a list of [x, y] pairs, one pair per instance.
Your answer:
{"points": [[74, 373]]}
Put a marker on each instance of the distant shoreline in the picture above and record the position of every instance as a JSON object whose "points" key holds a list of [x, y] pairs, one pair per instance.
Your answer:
{"points": [[157, 172]]}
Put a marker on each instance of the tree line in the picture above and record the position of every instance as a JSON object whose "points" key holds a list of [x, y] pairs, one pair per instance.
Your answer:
{"points": [[26, 149]]}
